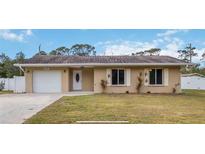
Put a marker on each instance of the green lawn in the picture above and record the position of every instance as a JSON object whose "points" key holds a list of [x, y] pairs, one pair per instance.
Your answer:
{"points": [[188, 107], [6, 92]]}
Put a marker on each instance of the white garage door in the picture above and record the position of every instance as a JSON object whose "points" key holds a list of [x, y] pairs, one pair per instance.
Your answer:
{"points": [[46, 81]]}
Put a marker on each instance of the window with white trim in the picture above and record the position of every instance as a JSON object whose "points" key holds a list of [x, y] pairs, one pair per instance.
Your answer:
{"points": [[156, 77], [118, 76]]}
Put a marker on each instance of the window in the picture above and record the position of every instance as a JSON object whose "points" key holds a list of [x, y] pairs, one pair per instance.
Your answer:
{"points": [[155, 76], [118, 77], [77, 77], [121, 77], [114, 77]]}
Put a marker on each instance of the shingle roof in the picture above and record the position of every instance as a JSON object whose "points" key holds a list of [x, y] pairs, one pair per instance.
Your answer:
{"points": [[101, 59]]}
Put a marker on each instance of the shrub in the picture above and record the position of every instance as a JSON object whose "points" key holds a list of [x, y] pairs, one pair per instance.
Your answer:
{"points": [[103, 85], [2, 84], [139, 83], [174, 90]]}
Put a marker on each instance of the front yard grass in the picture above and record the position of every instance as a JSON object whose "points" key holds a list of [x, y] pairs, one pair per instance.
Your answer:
{"points": [[6, 92], [188, 107]]}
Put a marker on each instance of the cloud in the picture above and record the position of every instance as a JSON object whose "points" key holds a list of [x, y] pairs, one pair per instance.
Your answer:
{"points": [[171, 32], [169, 43], [8, 35], [172, 42], [168, 48], [172, 47], [28, 32], [124, 47], [166, 41], [156, 41], [12, 36], [198, 58]]}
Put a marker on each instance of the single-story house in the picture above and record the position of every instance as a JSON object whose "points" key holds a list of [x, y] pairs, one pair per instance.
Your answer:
{"points": [[193, 81], [61, 74]]}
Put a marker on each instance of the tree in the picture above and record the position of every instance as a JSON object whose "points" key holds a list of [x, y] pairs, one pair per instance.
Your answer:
{"points": [[203, 56], [40, 52], [150, 52], [82, 50], [39, 48], [141, 53], [187, 53], [183, 55], [3, 57], [20, 57], [60, 51], [3, 60], [194, 69], [7, 69]]}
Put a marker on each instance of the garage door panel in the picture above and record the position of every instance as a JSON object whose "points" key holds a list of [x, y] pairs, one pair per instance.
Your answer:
{"points": [[46, 81]]}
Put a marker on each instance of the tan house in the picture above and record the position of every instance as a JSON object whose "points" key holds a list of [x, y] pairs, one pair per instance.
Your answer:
{"points": [[61, 74]]}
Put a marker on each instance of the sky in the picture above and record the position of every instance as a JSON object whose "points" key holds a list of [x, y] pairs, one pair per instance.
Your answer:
{"points": [[106, 42]]}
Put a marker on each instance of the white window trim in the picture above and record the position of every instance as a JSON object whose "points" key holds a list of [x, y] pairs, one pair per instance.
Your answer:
{"points": [[157, 85], [118, 85]]}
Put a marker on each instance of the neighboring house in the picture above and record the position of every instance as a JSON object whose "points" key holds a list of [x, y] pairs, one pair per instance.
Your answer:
{"points": [[52, 74], [193, 81]]}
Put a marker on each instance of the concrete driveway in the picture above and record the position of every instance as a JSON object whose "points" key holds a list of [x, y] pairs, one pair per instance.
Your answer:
{"points": [[16, 108]]}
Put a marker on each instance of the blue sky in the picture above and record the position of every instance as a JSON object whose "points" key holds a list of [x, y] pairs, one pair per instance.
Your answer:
{"points": [[107, 42]]}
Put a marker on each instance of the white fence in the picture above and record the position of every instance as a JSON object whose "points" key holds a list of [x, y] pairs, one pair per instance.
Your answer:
{"points": [[193, 82], [16, 84]]}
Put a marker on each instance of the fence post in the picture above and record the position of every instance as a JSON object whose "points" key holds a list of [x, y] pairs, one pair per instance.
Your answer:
{"points": [[14, 84], [7, 83]]}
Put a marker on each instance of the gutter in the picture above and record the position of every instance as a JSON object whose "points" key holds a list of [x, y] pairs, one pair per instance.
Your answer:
{"points": [[99, 64]]}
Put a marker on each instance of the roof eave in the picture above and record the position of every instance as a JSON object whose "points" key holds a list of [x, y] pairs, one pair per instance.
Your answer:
{"points": [[99, 64]]}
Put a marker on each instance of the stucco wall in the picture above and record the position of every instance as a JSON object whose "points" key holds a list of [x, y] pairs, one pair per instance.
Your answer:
{"points": [[88, 80], [71, 79], [65, 80], [91, 80], [174, 78], [29, 80]]}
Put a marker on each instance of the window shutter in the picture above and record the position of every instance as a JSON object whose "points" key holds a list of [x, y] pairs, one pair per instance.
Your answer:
{"points": [[146, 77], [128, 76], [108, 77], [166, 76]]}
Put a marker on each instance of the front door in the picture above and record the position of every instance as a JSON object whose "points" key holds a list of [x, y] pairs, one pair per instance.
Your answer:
{"points": [[77, 80]]}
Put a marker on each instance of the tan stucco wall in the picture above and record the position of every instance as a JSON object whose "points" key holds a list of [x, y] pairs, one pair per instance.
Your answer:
{"points": [[87, 79], [29, 80], [100, 74], [64, 76], [91, 79], [71, 79], [65, 80]]}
